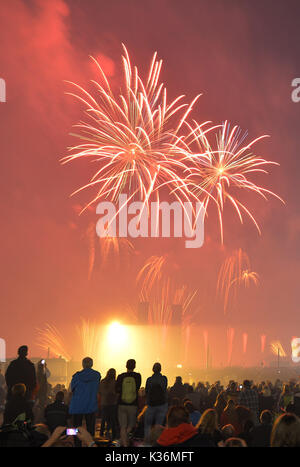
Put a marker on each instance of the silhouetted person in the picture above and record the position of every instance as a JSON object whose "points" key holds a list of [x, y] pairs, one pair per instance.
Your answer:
{"points": [[248, 397], [180, 432], [157, 399], [42, 382], [109, 408], [177, 390], [17, 405], [261, 434], [57, 413], [22, 371], [127, 387], [2, 379]]}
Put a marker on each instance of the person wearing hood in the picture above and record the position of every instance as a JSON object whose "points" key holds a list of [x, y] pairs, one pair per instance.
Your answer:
{"points": [[180, 432], [84, 402]]}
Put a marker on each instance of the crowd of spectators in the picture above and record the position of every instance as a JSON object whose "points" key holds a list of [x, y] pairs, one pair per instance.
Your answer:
{"points": [[118, 411]]}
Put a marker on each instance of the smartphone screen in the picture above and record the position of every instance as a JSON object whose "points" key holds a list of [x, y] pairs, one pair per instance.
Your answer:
{"points": [[71, 431]]}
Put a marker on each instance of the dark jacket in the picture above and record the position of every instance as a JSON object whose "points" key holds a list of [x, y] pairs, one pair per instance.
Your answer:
{"points": [[261, 436], [16, 406], [85, 387], [160, 380], [56, 414], [21, 370], [107, 391], [178, 391]]}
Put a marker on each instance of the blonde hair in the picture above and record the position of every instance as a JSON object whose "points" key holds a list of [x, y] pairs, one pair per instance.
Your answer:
{"points": [[208, 422], [286, 431]]}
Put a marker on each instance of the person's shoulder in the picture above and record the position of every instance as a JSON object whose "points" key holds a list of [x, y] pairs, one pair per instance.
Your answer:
{"points": [[48, 406], [13, 362], [133, 374], [121, 376]]}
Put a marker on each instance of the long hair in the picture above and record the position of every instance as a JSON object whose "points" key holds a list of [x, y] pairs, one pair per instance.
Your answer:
{"points": [[286, 431], [208, 422], [110, 375]]}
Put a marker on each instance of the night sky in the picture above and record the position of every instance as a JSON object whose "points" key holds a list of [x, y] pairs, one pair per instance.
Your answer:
{"points": [[242, 55]]}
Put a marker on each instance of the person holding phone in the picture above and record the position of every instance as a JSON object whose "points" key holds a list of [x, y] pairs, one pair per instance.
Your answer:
{"points": [[42, 375], [57, 413], [63, 436]]}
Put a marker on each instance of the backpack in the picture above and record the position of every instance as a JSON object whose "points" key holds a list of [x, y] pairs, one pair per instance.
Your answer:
{"points": [[128, 390], [156, 395]]}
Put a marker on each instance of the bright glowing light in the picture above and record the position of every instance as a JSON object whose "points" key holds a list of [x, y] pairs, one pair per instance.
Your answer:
{"points": [[295, 343], [179, 365], [117, 335]]}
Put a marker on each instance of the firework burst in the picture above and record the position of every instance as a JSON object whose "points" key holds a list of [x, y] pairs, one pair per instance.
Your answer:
{"points": [[234, 273], [216, 173], [133, 138], [51, 339]]}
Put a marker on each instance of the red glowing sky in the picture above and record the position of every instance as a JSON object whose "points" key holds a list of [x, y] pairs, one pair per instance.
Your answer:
{"points": [[242, 55]]}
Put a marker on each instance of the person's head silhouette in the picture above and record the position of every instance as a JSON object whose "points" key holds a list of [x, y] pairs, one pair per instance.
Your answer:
{"points": [[23, 351]]}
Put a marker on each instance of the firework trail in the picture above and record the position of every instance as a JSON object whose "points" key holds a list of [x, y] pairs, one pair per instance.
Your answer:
{"points": [[230, 337], [245, 342], [262, 342], [134, 139], [161, 308], [276, 347], [159, 285], [235, 272], [217, 173], [185, 298], [50, 338], [89, 334], [158, 278], [110, 248], [160, 312]]}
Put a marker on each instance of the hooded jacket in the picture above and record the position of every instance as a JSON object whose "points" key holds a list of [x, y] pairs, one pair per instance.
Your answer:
{"points": [[85, 386], [183, 435]]}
